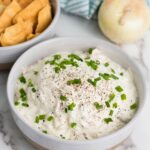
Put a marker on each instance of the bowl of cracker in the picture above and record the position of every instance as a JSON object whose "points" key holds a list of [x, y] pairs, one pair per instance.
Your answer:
{"points": [[24, 23]]}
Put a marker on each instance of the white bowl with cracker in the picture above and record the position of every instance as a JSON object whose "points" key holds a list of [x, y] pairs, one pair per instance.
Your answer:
{"points": [[30, 22]]}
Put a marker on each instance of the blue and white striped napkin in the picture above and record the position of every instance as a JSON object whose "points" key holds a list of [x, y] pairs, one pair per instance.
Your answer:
{"points": [[84, 8]]}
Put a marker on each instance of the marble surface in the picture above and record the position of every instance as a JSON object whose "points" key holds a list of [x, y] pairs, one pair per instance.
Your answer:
{"points": [[10, 136]]}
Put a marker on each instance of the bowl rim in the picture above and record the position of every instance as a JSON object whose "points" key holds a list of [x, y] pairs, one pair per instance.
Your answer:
{"points": [[78, 142], [40, 36]]}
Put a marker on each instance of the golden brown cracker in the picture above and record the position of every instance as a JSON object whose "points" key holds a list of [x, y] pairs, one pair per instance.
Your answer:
{"points": [[2, 7], [24, 3], [44, 18], [6, 2], [7, 15], [16, 33], [31, 11]]}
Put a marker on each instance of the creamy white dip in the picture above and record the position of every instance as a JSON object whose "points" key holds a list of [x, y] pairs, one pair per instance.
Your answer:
{"points": [[77, 97]]}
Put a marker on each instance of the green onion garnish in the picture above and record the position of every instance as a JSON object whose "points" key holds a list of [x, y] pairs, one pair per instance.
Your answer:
{"points": [[119, 88], [74, 81], [50, 118], [25, 104], [115, 105], [123, 97], [57, 69], [66, 110], [121, 73], [63, 98], [133, 106], [93, 64], [94, 82], [30, 84], [33, 90], [111, 97], [45, 131], [73, 125], [114, 77], [57, 57], [90, 50], [98, 106], [111, 112], [106, 64], [37, 119], [74, 56], [71, 106], [22, 79], [42, 117], [23, 94], [36, 72], [108, 120], [16, 103], [113, 71], [105, 76], [107, 104]]}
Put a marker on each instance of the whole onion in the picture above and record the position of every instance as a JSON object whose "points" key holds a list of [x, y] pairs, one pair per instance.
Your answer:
{"points": [[124, 21]]}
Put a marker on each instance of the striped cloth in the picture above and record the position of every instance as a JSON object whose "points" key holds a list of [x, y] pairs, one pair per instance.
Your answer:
{"points": [[84, 8]]}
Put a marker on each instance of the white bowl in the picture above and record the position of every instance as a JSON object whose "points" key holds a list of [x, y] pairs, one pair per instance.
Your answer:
{"points": [[60, 44], [9, 54]]}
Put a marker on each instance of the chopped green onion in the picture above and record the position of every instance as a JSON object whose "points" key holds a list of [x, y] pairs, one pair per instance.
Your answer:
{"points": [[33, 90], [111, 97], [57, 69], [112, 70], [111, 112], [97, 79], [92, 82], [121, 73], [63, 98], [47, 62], [106, 64], [123, 97], [66, 110], [107, 104], [71, 106], [30, 84], [52, 62], [50, 118], [73, 125], [105, 76], [44, 131], [114, 77], [25, 104], [57, 57], [115, 105], [133, 106], [23, 94], [42, 117], [90, 50], [74, 56], [36, 72], [93, 64], [22, 79], [16, 103], [74, 81], [108, 120], [37, 119], [98, 106], [119, 88]]}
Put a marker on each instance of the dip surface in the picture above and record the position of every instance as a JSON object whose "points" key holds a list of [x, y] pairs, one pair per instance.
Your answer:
{"points": [[78, 96]]}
